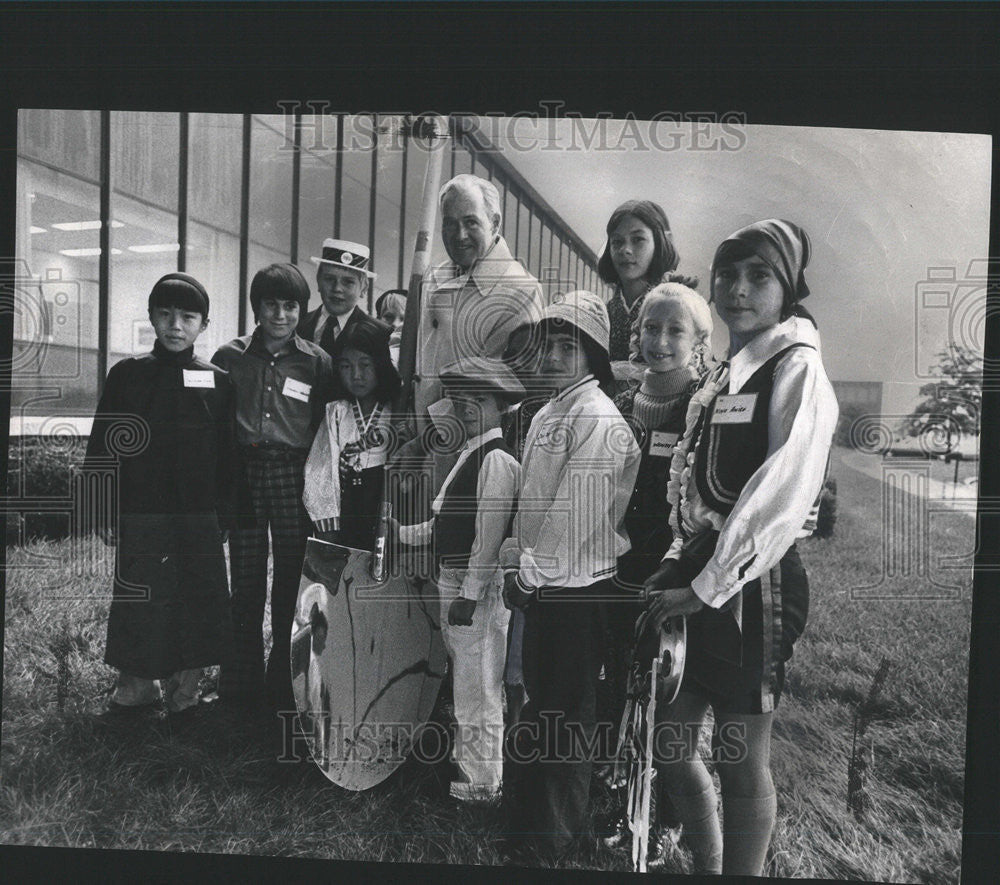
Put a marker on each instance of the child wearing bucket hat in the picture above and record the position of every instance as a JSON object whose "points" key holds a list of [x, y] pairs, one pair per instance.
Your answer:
{"points": [[579, 467], [744, 479], [472, 514], [169, 614]]}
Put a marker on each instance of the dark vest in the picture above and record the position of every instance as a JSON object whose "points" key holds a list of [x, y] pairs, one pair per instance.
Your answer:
{"points": [[727, 455], [455, 525]]}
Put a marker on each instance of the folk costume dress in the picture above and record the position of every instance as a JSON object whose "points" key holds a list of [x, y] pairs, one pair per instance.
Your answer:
{"points": [[345, 472], [164, 427], [744, 486]]}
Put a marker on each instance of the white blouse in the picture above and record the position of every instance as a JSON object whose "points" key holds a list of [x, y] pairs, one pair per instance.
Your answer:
{"points": [[774, 507], [321, 495]]}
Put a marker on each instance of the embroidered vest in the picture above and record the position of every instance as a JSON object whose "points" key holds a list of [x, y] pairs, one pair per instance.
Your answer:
{"points": [[728, 454], [455, 524]]}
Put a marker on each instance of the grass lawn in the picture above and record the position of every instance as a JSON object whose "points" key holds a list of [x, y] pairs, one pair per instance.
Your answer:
{"points": [[71, 777]]}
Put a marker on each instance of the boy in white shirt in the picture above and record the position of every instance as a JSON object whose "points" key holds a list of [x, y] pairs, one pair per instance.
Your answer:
{"points": [[579, 467], [472, 515]]}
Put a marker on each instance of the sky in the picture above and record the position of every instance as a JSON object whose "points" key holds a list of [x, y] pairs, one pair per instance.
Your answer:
{"points": [[881, 209]]}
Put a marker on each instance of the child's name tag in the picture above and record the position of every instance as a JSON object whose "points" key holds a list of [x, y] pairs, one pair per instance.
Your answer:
{"points": [[198, 378], [736, 408], [661, 443], [297, 389]]}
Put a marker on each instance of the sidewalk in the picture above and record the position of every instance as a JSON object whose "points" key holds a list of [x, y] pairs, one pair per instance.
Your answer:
{"points": [[960, 497]]}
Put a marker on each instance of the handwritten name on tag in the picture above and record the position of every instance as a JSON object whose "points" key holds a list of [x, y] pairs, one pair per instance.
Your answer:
{"points": [[297, 389], [734, 409], [661, 443], [198, 378]]}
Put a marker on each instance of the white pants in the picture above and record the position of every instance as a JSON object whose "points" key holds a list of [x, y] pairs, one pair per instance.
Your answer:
{"points": [[180, 691], [477, 657]]}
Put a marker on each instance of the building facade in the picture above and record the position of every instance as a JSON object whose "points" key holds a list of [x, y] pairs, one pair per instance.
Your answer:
{"points": [[109, 201]]}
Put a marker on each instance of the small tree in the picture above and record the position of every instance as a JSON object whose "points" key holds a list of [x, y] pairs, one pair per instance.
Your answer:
{"points": [[952, 402]]}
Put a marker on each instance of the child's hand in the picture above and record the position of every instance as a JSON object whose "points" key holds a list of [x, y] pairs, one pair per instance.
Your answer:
{"points": [[672, 602], [513, 595], [460, 612], [665, 576], [108, 537]]}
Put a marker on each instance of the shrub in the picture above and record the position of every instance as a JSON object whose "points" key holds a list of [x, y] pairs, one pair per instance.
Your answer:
{"points": [[39, 467]]}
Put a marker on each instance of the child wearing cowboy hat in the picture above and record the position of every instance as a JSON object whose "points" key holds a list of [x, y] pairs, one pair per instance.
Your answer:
{"points": [[579, 466], [472, 514]]}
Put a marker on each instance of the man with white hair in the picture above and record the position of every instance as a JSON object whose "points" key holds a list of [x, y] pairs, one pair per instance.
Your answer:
{"points": [[473, 302]]}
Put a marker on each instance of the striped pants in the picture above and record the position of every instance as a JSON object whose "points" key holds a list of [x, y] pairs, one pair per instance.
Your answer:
{"points": [[276, 495]]}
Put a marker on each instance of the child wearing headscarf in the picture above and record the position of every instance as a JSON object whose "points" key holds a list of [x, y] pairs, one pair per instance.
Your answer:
{"points": [[743, 481]]}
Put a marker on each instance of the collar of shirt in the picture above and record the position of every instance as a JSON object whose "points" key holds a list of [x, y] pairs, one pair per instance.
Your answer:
{"points": [[757, 351], [585, 383], [325, 316], [470, 446], [632, 311], [498, 261], [258, 348]]}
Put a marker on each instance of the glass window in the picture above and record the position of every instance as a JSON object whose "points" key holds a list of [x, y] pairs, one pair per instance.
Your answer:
{"points": [[465, 161], [213, 250], [270, 222], [538, 260], [355, 207], [57, 245], [317, 190], [417, 156], [356, 187], [67, 140], [270, 187], [145, 155], [389, 188], [546, 249], [523, 233], [510, 219]]}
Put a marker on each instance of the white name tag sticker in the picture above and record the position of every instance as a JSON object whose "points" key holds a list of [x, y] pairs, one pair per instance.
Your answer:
{"points": [[198, 378], [661, 443], [297, 389], [736, 408]]}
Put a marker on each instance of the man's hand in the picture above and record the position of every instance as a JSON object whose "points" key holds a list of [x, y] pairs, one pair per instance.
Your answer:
{"points": [[513, 595], [672, 602], [460, 612]]}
